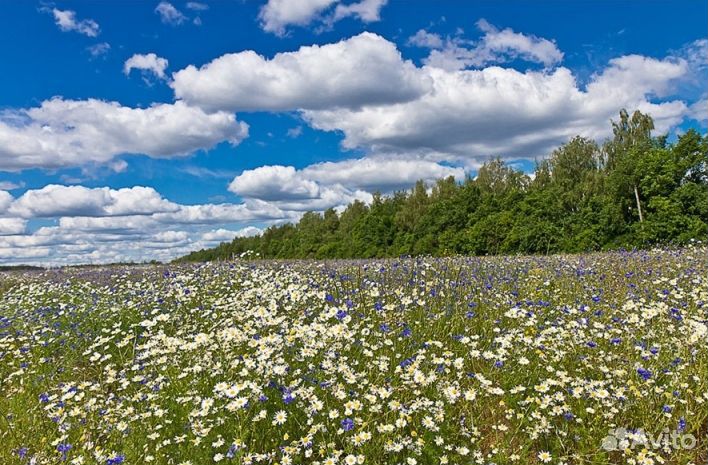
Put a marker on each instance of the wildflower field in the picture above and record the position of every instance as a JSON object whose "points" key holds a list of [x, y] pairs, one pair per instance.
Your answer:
{"points": [[503, 360]]}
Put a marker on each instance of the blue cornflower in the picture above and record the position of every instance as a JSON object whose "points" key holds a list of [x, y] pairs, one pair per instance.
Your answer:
{"points": [[644, 373], [117, 460], [666, 409], [347, 424], [406, 332], [63, 448], [341, 314]]}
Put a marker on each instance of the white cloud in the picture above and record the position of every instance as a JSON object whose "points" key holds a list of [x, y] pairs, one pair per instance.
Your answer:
{"points": [[57, 200], [169, 14], [384, 174], [99, 49], [696, 55], [57, 245], [66, 20], [295, 132], [362, 70], [367, 11], [425, 39], [148, 62], [495, 46], [226, 235], [171, 236], [223, 213], [335, 184], [335, 196], [274, 183], [699, 111], [61, 133], [197, 6], [276, 15], [287, 189], [471, 114], [12, 226], [8, 186], [6, 200], [130, 224], [362, 87], [17, 255]]}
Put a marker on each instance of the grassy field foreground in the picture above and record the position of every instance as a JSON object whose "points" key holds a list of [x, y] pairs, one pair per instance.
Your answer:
{"points": [[563, 360]]}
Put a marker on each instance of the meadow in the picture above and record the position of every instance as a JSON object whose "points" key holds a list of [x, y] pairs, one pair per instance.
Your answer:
{"points": [[566, 359]]}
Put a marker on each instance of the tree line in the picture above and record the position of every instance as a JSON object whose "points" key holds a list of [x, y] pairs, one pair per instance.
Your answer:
{"points": [[634, 190]]}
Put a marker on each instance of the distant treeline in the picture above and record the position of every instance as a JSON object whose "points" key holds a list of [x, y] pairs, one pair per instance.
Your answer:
{"points": [[634, 190], [20, 268]]}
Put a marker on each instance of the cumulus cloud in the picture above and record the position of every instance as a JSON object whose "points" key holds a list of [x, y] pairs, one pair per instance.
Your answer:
{"points": [[148, 62], [495, 46], [366, 10], [383, 174], [169, 14], [288, 189], [57, 200], [129, 224], [6, 200], [61, 133], [274, 183], [10, 226], [502, 111], [57, 246], [66, 21], [226, 235], [362, 70], [223, 213], [14, 254], [425, 39], [335, 184], [699, 111], [276, 15], [363, 88]]}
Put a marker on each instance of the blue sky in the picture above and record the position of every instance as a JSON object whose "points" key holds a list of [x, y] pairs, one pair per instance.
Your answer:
{"points": [[139, 130]]}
